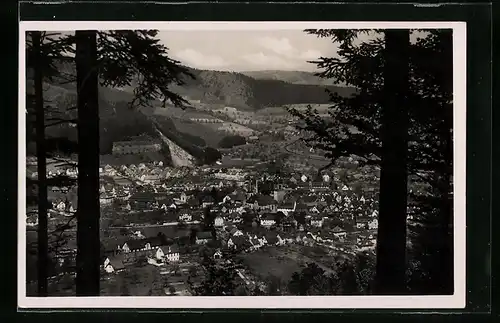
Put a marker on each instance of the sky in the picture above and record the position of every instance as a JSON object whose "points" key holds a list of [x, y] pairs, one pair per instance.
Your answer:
{"points": [[247, 50]]}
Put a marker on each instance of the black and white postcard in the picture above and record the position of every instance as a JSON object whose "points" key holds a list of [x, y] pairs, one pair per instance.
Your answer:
{"points": [[270, 164]]}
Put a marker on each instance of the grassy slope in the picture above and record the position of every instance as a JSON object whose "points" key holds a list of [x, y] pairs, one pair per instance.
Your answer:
{"points": [[294, 77]]}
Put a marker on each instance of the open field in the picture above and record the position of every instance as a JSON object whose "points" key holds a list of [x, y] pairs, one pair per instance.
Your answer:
{"points": [[233, 128], [208, 133], [270, 262]]}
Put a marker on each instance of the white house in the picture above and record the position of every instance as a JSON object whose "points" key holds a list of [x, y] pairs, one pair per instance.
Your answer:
{"points": [[373, 224], [339, 232], [287, 208], [268, 220], [170, 253], [317, 222], [217, 254], [303, 178], [345, 188], [186, 217], [237, 233], [326, 178], [61, 206]]}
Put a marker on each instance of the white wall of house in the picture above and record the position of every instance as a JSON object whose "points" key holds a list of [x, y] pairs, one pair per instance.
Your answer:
{"points": [[109, 269], [267, 223], [173, 257]]}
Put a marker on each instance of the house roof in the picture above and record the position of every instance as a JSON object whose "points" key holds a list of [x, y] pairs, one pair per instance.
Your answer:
{"points": [[170, 249], [143, 196], [117, 262], [301, 207], [338, 229], [238, 196], [150, 232], [268, 216], [112, 244], [136, 244], [286, 205], [208, 199], [204, 235], [309, 199]]}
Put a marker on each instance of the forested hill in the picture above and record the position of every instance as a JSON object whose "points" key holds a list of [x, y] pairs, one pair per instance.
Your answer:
{"points": [[294, 77], [259, 90], [244, 92]]}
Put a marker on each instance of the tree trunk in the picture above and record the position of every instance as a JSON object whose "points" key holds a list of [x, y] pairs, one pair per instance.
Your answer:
{"points": [[88, 212], [391, 239], [41, 155]]}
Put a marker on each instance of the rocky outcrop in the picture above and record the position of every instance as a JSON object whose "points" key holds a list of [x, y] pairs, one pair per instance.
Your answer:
{"points": [[179, 157]]}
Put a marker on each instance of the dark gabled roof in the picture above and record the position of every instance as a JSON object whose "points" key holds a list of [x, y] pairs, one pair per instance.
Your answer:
{"points": [[308, 199], [204, 235], [155, 241], [240, 197], [208, 199], [265, 200], [143, 196], [136, 244], [271, 237], [268, 216], [286, 205], [301, 207], [193, 201]]}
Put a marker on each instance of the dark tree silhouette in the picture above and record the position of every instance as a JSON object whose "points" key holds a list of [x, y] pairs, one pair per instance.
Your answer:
{"points": [[219, 281], [211, 155], [127, 58], [42, 53], [43, 238], [88, 212], [231, 141], [356, 129]]}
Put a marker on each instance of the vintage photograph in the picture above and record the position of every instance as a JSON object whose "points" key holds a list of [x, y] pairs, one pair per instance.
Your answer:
{"points": [[186, 160]]}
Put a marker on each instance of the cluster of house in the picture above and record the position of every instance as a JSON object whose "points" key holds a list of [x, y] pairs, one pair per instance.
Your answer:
{"points": [[255, 240], [157, 250], [136, 146]]}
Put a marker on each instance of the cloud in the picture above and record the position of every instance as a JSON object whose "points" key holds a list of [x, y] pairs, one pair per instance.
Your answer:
{"points": [[279, 46], [267, 61], [195, 58], [310, 55]]}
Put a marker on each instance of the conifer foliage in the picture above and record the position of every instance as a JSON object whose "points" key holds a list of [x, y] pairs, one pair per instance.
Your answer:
{"points": [[354, 128]]}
